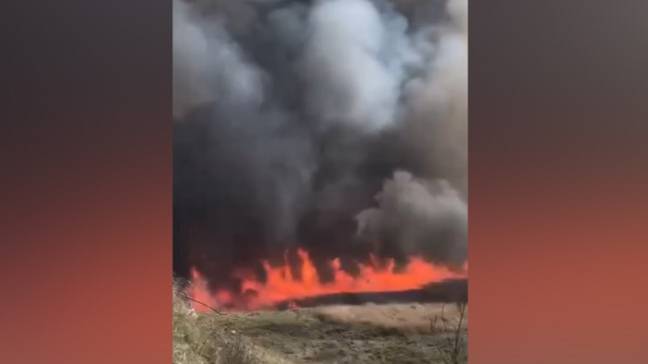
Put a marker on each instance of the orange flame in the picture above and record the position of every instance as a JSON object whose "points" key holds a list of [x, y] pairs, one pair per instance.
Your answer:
{"points": [[281, 286]]}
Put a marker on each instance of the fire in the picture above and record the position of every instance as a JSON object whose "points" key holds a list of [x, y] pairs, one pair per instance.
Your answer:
{"points": [[281, 286]]}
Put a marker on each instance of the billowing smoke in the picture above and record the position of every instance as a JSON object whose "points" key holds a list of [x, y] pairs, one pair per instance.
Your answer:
{"points": [[338, 126]]}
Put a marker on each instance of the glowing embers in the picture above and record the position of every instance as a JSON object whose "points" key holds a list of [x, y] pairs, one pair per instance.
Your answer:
{"points": [[281, 286]]}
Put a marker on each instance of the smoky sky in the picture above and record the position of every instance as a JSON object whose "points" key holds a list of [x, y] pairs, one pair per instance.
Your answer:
{"points": [[338, 126]]}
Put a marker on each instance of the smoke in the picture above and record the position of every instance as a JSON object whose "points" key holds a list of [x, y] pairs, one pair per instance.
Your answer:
{"points": [[353, 61], [338, 126], [207, 64], [418, 217]]}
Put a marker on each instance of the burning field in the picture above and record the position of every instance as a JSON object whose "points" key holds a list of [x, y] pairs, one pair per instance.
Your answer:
{"points": [[282, 288], [320, 161]]}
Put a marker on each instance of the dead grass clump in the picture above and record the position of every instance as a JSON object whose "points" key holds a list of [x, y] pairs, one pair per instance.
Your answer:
{"points": [[198, 340], [452, 349], [191, 342], [404, 318], [236, 352]]}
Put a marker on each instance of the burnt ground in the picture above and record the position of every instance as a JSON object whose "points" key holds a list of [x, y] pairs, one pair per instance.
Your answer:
{"points": [[448, 291]]}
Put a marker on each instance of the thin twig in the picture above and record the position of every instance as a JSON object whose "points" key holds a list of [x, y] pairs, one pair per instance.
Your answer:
{"points": [[457, 337], [452, 351], [201, 303]]}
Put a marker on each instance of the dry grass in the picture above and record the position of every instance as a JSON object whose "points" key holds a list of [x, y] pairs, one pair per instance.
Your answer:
{"points": [[406, 318], [376, 334], [197, 341], [453, 349]]}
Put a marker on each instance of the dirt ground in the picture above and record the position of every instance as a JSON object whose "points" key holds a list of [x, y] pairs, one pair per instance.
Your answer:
{"points": [[391, 333]]}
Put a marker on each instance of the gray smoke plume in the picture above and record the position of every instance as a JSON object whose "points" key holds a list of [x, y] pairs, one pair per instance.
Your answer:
{"points": [[338, 126]]}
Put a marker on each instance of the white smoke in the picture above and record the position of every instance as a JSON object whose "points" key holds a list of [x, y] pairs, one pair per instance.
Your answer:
{"points": [[458, 10], [428, 214], [208, 65], [420, 216], [354, 60], [436, 122]]}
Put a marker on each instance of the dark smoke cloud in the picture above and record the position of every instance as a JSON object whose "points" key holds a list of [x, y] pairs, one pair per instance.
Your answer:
{"points": [[338, 126]]}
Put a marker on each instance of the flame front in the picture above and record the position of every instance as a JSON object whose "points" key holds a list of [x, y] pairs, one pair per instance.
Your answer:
{"points": [[281, 286]]}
